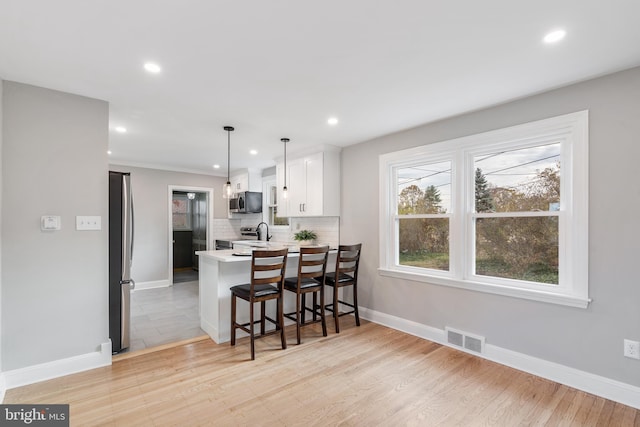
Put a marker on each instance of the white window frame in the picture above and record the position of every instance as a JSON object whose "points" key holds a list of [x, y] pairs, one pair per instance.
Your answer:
{"points": [[571, 130], [267, 183], [187, 214]]}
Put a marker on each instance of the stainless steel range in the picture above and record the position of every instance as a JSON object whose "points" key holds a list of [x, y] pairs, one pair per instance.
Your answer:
{"points": [[246, 233]]}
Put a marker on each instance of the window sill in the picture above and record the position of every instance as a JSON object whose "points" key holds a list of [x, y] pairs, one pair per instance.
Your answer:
{"points": [[529, 294]]}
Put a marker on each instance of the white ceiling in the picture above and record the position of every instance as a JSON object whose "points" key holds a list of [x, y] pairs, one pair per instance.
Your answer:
{"points": [[281, 68]]}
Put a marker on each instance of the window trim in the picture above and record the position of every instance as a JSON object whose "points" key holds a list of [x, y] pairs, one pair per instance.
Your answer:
{"points": [[572, 131], [187, 214], [267, 182]]}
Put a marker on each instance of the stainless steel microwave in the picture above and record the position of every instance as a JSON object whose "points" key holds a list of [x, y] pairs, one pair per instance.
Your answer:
{"points": [[246, 202]]}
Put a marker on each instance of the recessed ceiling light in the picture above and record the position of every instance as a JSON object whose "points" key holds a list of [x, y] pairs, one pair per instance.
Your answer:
{"points": [[216, 166], [152, 67], [555, 36], [121, 129], [108, 151], [253, 152], [332, 121]]}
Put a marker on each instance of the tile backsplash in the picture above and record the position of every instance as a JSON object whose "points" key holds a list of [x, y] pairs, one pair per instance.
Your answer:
{"points": [[227, 229], [327, 228]]}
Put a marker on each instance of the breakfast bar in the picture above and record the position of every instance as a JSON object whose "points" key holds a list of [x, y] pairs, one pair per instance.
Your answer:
{"points": [[222, 269]]}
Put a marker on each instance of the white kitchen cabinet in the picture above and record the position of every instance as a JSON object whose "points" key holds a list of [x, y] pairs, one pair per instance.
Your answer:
{"points": [[313, 184], [246, 180]]}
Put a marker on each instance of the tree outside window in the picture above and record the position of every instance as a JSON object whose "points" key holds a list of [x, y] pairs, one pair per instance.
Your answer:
{"points": [[423, 227]]}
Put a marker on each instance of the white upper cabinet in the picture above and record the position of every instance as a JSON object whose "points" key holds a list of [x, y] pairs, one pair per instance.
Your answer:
{"points": [[313, 184], [246, 180]]}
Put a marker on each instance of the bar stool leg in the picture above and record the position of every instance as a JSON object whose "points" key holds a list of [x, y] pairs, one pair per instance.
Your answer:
{"points": [[298, 315], [315, 305], [323, 319], [253, 338], [262, 317], [280, 313], [233, 319], [355, 303], [336, 312]]}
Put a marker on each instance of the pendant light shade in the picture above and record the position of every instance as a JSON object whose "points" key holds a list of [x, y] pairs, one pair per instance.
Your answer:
{"points": [[284, 188], [227, 187]]}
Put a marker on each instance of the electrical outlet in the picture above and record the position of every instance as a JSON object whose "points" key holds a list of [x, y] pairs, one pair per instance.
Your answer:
{"points": [[632, 349]]}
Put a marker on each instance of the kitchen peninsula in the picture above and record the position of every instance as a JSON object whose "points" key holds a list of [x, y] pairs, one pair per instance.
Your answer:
{"points": [[219, 271]]}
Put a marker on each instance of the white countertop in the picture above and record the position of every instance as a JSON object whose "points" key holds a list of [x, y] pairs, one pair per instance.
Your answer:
{"points": [[245, 254], [227, 255]]}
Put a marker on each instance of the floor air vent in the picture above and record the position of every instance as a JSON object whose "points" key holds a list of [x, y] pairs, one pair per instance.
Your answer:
{"points": [[455, 338], [465, 340]]}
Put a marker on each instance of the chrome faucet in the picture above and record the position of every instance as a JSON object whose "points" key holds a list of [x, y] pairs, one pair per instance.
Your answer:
{"points": [[260, 234]]}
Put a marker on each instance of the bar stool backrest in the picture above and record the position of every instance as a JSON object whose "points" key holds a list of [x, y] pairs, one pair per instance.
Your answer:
{"points": [[312, 263], [268, 268], [347, 261]]}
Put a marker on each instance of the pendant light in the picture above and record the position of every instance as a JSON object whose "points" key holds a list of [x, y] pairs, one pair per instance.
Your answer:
{"points": [[227, 187], [284, 189]]}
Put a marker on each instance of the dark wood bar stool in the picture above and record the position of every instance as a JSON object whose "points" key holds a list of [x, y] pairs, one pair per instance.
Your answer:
{"points": [[267, 283], [346, 274], [312, 266]]}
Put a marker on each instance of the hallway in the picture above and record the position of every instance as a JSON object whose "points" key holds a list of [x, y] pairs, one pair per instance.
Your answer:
{"points": [[164, 315]]}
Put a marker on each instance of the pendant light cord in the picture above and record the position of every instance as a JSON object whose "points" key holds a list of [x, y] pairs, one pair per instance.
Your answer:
{"points": [[284, 188], [229, 129]]}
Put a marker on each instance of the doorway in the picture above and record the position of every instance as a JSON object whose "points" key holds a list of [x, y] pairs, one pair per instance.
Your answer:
{"points": [[190, 214], [189, 220]]}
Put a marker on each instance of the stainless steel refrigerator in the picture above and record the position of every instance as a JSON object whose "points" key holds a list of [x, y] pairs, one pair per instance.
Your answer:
{"points": [[120, 256]]}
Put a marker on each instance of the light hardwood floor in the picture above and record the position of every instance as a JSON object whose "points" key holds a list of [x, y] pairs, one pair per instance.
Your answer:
{"points": [[366, 376]]}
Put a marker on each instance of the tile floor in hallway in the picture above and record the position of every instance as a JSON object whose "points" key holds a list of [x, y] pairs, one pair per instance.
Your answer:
{"points": [[164, 315]]}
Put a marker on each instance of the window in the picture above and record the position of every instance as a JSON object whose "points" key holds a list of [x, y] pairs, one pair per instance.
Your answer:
{"points": [[181, 210], [270, 201], [424, 203], [503, 212]]}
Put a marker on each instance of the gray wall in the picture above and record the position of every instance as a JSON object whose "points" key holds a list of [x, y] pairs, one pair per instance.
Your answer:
{"points": [[586, 339], [1, 134], [54, 284], [150, 193]]}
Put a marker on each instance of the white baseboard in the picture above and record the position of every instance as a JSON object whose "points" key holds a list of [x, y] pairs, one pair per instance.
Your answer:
{"points": [[140, 286], [58, 368], [607, 388]]}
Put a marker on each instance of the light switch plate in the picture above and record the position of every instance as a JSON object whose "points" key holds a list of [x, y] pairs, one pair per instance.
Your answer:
{"points": [[50, 223], [84, 223]]}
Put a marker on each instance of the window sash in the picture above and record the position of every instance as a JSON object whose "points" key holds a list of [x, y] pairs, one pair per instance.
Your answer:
{"points": [[181, 210], [271, 206], [571, 131]]}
